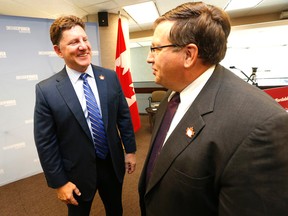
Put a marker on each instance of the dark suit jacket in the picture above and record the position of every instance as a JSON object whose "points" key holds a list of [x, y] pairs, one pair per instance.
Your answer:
{"points": [[62, 135], [235, 164]]}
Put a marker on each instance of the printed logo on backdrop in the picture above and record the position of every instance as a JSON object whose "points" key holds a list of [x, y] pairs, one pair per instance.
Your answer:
{"points": [[15, 146], [95, 53], [29, 121], [28, 77], [7, 103], [20, 29], [3, 54], [36, 160], [47, 53], [283, 99]]}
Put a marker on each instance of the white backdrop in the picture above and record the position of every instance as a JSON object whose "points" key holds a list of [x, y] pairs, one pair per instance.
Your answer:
{"points": [[26, 57]]}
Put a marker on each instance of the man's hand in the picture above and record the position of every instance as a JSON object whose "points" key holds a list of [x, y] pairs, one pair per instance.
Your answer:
{"points": [[65, 193], [130, 162]]}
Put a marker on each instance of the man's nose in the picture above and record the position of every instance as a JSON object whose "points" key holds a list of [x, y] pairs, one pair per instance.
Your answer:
{"points": [[150, 58]]}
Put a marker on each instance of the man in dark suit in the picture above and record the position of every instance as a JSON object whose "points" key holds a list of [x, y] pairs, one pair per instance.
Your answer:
{"points": [[226, 149], [63, 126]]}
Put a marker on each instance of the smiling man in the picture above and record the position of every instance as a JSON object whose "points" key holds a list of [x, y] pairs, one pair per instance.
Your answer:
{"points": [[80, 127]]}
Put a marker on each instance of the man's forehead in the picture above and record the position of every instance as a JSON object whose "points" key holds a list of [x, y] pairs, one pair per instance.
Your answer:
{"points": [[161, 32]]}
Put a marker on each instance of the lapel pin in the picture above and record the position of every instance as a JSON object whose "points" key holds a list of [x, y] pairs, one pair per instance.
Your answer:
{"points": [[190, 132], [101, 77]]}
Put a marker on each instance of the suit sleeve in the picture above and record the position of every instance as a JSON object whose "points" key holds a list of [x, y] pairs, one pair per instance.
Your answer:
{"points": [[46, 142], [255, 181]]}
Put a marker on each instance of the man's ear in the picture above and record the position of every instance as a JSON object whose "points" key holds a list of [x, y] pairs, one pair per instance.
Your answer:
{"points": [[191, 54], [57, 50]]}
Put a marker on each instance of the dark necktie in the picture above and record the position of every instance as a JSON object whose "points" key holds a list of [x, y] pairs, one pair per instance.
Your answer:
{"points": [[162, 132], [97, 125]]}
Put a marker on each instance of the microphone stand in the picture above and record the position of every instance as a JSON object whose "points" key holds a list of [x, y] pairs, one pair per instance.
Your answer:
{"points": [[253, 76], [248, 78]]}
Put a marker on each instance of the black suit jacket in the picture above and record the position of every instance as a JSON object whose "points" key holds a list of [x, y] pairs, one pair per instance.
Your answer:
{"points": [[235, 164], [62, 135]]}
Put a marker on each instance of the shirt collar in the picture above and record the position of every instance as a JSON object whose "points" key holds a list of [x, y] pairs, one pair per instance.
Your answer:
{"points": [[196, 85], [75, 75]]}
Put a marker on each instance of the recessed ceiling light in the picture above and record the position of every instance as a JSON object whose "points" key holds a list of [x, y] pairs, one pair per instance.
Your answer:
{"points": [[143, 13], [241, 4]]}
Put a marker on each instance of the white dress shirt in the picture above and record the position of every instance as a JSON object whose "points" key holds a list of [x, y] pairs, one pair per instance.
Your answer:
{"points": [[77, 83], [187, 97]]}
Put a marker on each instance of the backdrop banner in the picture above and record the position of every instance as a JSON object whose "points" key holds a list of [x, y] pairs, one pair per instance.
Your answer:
{"points": [[26, 57], [280, 94]]}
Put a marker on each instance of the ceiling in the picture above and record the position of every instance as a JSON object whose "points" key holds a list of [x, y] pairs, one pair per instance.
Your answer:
{"points": [[54, 8]]}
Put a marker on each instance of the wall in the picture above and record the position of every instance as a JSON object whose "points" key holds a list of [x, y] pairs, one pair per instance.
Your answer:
{"points": [[142, 75], [262, 45], [142, 71]]}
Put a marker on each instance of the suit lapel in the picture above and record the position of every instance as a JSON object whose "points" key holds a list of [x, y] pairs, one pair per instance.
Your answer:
{"points": [[178, 140], [69, 96], [175, 144]]}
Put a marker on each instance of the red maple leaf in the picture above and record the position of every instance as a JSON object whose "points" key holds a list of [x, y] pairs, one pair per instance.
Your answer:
{"points": [[126, 82]]}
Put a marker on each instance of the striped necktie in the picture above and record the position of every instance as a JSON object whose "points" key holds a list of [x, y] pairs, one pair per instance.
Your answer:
{"points": [[97, 125]]}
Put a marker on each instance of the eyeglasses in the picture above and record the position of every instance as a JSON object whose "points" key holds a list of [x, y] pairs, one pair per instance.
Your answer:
{"points": [[159, 48]]}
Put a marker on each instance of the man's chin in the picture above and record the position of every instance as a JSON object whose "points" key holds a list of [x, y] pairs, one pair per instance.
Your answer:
{"points": [[84, 65], [157, 81], [81, 68]]}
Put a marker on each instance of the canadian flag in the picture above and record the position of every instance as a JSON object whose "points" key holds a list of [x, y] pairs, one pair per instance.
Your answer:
{"points": [[124, 75]]}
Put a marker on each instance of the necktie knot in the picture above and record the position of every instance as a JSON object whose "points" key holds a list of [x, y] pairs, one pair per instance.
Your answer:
{"points": [[176, 98], [84, 76]]}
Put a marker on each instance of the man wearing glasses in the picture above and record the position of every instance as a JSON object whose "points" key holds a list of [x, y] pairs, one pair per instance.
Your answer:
{"points": [[225, 149]]}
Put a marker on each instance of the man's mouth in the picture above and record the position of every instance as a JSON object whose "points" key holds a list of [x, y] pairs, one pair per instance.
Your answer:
{"points": [[83, 55]]}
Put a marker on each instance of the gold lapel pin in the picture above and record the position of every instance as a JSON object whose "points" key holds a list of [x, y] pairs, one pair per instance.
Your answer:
{"points": [[101, 77], [190, 132]]}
